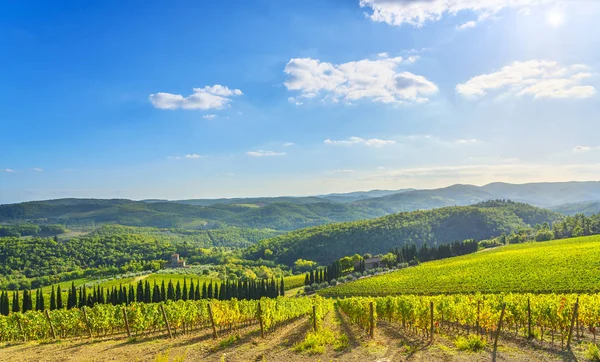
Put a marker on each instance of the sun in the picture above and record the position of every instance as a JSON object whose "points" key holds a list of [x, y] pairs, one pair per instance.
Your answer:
{"points": [[555, 18]]}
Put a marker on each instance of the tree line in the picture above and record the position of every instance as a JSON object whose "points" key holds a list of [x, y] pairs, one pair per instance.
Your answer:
{"points": [[78, 297], [326, 274]]}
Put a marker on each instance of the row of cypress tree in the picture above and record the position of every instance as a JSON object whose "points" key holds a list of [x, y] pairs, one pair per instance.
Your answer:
{"points": [[143, 292], [327, 274]]}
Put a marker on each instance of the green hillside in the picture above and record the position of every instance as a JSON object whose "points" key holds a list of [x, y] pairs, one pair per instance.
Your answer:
{"points": [[586, 208], [329, 242], [565, 266], [91, 212]]}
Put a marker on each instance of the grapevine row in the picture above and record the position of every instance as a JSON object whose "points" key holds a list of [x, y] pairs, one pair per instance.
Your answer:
{"points": [[142, 318]]}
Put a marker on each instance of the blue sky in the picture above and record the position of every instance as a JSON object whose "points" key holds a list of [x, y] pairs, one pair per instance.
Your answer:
{"points": [[198, 99]]}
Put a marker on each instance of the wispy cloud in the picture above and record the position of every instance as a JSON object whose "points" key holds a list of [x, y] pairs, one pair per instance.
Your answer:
{"points": [[263, 153], [215, 97], [376, 80], [583, 149], [7, 170], [536, 78], [288, 144], [36, 169], [343, 171], [374, 142], [209, 116], [188, 156], [418, 12], [467, 25], [467, 141]]}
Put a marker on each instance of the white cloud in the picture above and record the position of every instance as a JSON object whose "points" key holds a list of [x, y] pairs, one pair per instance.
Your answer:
{"points": [[467, 141], [288, 144], [583, 149], [263, 153], [418, 12], [374, 142], [536, 78], [377, 80], [215, 97], [36, 169], [189, 156], [7, 170], [343, 171], [209, 116], [467, 25]]}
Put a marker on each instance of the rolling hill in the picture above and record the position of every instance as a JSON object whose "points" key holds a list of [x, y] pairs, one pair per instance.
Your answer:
{"points": [[329, 242], [291, 213], [586, 208], [561, 266]]}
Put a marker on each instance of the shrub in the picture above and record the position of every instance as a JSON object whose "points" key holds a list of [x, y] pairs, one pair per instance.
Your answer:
{"points": [[472, 343], [593, 352]]}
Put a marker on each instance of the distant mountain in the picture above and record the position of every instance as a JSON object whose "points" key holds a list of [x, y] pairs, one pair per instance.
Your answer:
{"points": [[456, 195], [91, 212], [586, 208], [546, 194], [360, 195], [258, 201], [329, 242], [289, 213]]}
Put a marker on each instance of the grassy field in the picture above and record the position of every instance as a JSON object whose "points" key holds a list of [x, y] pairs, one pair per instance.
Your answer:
{"points": [[570, 265]]}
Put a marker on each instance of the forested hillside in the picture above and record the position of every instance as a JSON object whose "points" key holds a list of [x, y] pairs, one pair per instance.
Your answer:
{"points": [[586, 208], [291, 213], [91, 212], [108, 250], [444, 225]]}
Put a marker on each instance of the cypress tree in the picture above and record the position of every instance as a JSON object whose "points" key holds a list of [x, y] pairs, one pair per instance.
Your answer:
{"points": [[185, 294], [204, 291], [59, 302], [5, 304], [306, 279], [192, 291], [312, 277], [15, 302], [42, 301], [178, 291], [155, 293], [209, 293], [170, 291], [163, 292], [26, 301], [147, 293], [131, 297], [282, 288], [139, 297], [197, 294], [73, 301]]}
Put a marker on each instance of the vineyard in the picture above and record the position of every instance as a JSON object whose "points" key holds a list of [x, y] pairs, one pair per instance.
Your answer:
{"points": [[169, 317], [558, 266]]}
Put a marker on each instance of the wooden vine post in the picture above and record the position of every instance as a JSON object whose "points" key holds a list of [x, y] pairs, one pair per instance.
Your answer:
{"points": [[212, 321], [21, 329], [260, 320], [371, 321], [164, 314], [50, 323], [87, 322], [498, 329], [477, 322], [575, 310], [314, 315], [529, 334], [432, 325], [126, 322]]}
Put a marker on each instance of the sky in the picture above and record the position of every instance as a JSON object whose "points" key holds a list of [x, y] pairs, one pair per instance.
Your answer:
{"points": [[204, 99]]}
